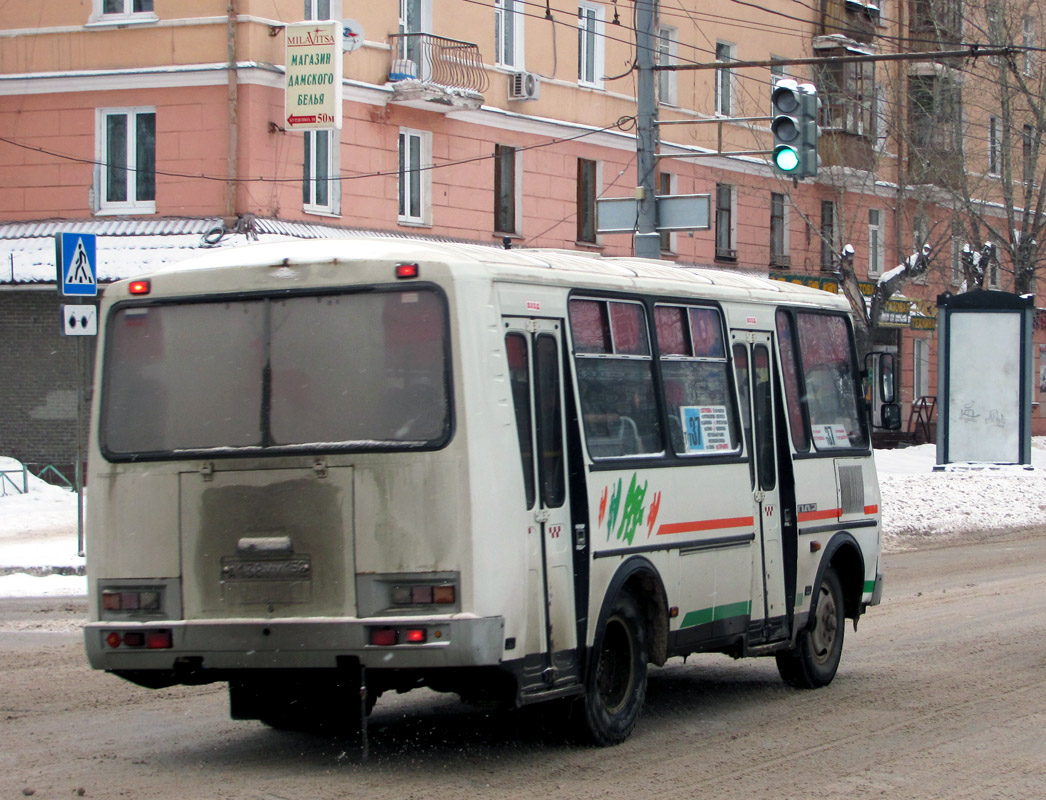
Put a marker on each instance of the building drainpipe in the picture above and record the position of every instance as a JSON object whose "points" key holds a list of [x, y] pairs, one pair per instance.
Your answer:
{"points": [[231, 169]]}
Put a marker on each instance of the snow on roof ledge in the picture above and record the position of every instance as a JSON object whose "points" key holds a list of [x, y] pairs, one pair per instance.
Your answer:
{"points": [[131, 247]]}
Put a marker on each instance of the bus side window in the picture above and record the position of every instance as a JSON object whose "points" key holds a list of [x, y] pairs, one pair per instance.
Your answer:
{"points": [[793, 392], [615, 378], [519, 378], [695, 376], [743, 393]]}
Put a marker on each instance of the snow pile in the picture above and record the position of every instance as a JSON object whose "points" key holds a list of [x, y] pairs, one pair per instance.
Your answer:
{"points": [[919, 506], [37, 536]]}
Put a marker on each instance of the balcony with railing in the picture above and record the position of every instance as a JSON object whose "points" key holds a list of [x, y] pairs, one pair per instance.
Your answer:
{"points": [[425, 69]]}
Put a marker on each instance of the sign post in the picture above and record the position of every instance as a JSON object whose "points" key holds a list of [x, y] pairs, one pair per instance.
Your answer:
{"points": [[76, 263], [312, 99]]}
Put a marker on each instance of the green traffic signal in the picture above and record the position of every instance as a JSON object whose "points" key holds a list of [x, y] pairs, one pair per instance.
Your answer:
{"points": [[786, 158]]}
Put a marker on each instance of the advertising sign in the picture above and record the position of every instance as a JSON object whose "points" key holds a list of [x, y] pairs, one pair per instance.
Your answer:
{"points": [[313, 95]]}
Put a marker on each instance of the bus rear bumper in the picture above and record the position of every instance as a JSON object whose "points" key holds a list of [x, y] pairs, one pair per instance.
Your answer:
{"points": [[317, 643]]}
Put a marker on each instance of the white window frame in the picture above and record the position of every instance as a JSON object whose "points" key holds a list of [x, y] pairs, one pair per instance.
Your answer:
{"points": [[920, 368], [508, 46], [725, 89], [666, 185], [590, 23], [310, 181], [994, 147], [423, 24], [312, 10], [731, 249], [126, 16], [786, 243], [667, 54], [132, 204], [876, 251], [424, 183], [517, 193], [958, 274]]}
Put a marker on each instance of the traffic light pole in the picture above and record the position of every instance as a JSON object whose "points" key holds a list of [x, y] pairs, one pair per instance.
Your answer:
{"points": [[647, 239]]}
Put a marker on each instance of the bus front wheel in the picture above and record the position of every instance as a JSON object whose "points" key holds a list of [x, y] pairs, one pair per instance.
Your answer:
{"points": [[815, 659], [617, 682]]}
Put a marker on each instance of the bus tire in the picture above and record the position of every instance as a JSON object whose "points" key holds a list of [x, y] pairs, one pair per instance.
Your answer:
{"points": [[616, 688], [814, 660]]}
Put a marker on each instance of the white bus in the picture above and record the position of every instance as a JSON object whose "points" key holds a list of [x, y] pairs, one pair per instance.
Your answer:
{"points": [[324, 470]]}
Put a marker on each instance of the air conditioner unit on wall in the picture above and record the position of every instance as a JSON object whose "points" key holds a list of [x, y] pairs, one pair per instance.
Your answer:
{"points": [[524, 86]]}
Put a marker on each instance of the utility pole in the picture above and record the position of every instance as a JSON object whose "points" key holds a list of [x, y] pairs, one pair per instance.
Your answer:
{"points": [[647, 238]]}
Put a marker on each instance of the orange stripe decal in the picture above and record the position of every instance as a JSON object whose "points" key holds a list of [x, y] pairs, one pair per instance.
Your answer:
{"points": [[871, 509], [810, 516], [705, 525]]}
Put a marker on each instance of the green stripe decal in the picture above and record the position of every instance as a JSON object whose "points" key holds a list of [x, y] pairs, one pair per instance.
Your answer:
{"points": [[869, 587], [706, 615]]}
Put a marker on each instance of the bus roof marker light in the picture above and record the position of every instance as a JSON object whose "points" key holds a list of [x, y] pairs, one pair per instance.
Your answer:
{"points": [[407, 271], [140, 287]]}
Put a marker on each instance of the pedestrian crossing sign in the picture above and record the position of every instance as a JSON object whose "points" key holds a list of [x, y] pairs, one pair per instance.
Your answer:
{"points": [[77, 264]]}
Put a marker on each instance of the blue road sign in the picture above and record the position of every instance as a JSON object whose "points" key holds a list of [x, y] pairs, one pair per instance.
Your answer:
{"points": [[77, 264]]}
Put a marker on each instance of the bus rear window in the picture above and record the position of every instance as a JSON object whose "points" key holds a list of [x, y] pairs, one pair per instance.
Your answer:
{"points": [[355, 371]]}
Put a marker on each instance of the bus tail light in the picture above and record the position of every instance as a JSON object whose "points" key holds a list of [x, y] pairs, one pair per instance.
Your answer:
{"points": [[139, 287], [382, 637], [415, 636], [424, 594], [389, 637], [407, 271], [161, 639], [158, 640]]}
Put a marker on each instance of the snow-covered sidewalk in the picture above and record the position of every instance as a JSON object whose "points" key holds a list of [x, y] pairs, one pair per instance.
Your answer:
{"points": [[919, 505]]}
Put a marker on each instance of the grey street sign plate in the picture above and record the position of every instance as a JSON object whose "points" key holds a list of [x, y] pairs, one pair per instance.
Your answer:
{"points": [[675, 212]]}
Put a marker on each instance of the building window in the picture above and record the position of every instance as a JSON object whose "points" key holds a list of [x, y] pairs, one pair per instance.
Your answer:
{"points": [[127, 156], [586, 200], [319, 187], [667, 49], [958, 274], [876, 255], [508, 33], [1028, 153], [1028, 40], [724, 80], [506, 187], [935, 114], [848, 97], [724, 222], [827, 235], [590, 44], [130, 10], [415, 179], [777, 74], [664, 188], [994, 147], [920, 368], [779, 255], [415, 17]]}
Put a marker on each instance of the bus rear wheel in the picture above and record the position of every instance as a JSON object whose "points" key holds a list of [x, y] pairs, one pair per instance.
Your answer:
{"points": [[819, 649], [617, 682]]}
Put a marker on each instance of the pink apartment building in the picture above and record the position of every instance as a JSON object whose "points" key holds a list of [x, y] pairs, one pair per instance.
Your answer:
{"points": [[160, 127]]}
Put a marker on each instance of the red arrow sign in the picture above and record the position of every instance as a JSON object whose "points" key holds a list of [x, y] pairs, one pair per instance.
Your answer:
{"points": [[293, 120]]}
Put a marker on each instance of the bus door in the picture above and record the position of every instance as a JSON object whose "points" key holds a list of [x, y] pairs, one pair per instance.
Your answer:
{"points": [[753, 369], [535, 355]]}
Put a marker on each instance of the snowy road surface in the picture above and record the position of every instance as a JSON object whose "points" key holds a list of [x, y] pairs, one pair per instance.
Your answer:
{"points": [[941, 694]]}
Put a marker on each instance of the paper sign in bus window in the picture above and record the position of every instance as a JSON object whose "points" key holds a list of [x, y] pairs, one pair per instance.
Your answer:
{"points": [[705, 428], [827, 436]]}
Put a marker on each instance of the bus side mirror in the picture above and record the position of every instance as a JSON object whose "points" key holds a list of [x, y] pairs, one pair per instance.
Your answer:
{"points": [[890, 416], [884, 378]]}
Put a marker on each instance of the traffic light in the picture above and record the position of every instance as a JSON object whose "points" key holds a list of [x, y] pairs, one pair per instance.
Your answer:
{"points": [[786, 102], [794, 126], [808, 131]]}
